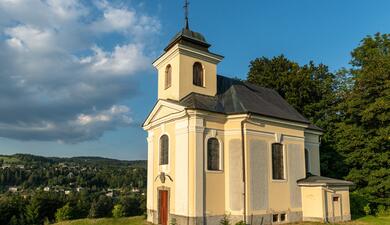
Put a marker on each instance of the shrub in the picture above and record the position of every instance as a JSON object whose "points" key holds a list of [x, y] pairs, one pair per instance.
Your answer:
{"points": [[173, 221], [240, 223], [225, 220], [383, 211], [118, 211], [64, 213], [367, 209], [358, 203]]}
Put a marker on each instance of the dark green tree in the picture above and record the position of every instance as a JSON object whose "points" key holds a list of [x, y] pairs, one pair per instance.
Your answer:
{"points": [[363, 135], [64, 213], [101, 208]]}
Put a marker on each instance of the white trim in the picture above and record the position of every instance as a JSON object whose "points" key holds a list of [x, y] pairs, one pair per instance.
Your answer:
{"points": [[160, 103], [221, 155], [285, 178], [188, 51], [164, 167]]}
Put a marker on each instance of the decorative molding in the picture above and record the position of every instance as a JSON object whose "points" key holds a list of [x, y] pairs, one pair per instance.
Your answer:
{"points": [[278, 137]]}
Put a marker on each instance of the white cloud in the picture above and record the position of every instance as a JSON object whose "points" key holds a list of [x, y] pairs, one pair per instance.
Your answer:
{"points": [[120, 61], [58, 82]]}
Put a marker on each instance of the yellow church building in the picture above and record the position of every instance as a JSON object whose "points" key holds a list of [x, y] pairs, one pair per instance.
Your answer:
{"points": [[220, 146]]}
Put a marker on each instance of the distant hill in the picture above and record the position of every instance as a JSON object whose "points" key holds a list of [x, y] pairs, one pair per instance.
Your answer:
{"points": [[28, 159]]}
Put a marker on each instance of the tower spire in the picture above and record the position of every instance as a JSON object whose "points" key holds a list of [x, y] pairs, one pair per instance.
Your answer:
{"points": [[186, 4]]}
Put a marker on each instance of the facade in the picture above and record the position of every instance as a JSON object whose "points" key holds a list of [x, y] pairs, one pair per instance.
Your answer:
{"points": [[219, 146]]}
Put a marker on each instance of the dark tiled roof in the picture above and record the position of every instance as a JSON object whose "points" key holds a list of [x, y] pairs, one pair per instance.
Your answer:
{"points": [[314, 180], [235, 97], [190, 38]]}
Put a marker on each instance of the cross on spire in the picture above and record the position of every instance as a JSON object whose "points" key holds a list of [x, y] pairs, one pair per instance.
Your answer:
{"points": [[186, 4]]}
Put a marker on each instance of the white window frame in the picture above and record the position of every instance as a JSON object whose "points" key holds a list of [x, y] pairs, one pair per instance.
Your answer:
{"points": [[284, 163], [164, 167], [221, 164]]}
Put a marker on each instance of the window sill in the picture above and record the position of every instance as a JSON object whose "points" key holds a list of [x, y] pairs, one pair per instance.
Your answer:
{"points": [[214, 171], [279, 181]]}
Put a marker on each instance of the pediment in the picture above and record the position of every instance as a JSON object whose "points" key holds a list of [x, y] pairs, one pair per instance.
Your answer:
{"points": [[163, 110]]}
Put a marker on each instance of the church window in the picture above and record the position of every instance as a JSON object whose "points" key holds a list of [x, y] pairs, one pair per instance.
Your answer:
{"points": [[307, 158], [197, 74], [164, 149], [213, 155], [168, 76], [277, 161]]}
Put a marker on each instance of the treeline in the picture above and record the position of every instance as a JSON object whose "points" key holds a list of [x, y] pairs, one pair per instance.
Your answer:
{"points": [[28, 172], [49, 207], [38, 190], [352, 106]]}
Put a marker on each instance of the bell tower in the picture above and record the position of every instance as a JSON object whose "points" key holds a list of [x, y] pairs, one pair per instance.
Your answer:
{"points": [[187, 66]]}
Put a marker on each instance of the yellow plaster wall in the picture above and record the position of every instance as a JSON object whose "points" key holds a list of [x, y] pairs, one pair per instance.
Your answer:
{"points": [[312, 202], [173, 91], [182, 71], [169, 129], [215, 193], [210, 77]]}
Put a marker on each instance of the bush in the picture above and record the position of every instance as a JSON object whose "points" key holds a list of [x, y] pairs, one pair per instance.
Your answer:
{"points": [[383, 211], [64, 213], [118, 211], [225, 220], [358, 204], [367, 209], [240, 223], [173, 221]]}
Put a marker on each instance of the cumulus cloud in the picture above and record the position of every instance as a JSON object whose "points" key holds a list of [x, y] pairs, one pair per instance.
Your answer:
{"points": [[58, 82]]}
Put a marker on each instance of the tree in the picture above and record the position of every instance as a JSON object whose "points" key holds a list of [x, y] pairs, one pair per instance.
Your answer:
{"points": [[32, 212], [64, 213], [118, 211], [363, 133], [101, 208]]}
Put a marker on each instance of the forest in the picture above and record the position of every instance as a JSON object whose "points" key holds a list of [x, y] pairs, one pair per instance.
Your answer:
{"points": [[40, 190]]}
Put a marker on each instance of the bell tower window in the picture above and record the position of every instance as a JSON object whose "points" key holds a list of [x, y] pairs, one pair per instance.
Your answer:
{"points": [[168, 76], [198, 74]]}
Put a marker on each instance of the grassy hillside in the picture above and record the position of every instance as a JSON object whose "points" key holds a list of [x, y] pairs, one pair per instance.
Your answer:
{"points": [[140, 220]]}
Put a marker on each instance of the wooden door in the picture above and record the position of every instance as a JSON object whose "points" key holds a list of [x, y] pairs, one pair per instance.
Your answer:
{"points": [[163, 207]]}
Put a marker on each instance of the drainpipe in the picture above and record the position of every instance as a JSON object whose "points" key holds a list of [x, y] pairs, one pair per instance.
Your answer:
{"points": [[244, 162]]}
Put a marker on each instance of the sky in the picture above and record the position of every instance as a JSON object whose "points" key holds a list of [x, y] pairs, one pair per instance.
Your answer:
{"points": [[76, 77]]}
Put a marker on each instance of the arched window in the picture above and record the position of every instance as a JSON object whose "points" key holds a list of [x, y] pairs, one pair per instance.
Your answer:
{"points": [[198, 74], [168, 76], [164, 149], [307, 158], [277, 161], [213, 155]]}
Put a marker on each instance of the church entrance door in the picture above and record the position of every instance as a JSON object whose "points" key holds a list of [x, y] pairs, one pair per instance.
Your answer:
{"points": [[163, 207]]}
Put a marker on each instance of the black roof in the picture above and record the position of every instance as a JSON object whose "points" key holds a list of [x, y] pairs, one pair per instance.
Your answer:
{"points": [[315, 180], [236, 97]]}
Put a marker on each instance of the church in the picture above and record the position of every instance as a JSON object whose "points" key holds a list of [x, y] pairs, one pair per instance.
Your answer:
{"points": [[220, 146]]}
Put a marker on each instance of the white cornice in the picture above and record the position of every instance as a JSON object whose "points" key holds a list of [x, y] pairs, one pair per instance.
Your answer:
{"points": [[188, 51]]}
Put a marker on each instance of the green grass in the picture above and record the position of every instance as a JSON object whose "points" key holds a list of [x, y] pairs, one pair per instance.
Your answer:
{"points": [[138, 220], [367, 220], [372, 220]]}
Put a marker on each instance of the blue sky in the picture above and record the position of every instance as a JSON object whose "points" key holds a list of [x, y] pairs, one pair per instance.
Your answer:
{"points": [[76, 76]]}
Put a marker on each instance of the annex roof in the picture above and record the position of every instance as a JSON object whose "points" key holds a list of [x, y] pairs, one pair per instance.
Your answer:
{"points": [[315, 180]]}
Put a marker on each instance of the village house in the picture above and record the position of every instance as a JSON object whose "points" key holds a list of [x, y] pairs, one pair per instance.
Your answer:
{"points": [[219, 146]]}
